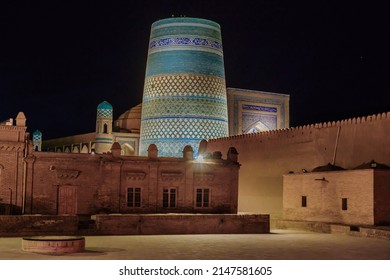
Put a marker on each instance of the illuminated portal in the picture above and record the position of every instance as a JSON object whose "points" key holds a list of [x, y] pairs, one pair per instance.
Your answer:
{"points": [[252, 111], [184, 97]]}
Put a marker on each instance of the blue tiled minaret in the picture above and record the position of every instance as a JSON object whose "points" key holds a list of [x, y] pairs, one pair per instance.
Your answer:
{"points": [[37, 140], [184, 97], [103, 133]]}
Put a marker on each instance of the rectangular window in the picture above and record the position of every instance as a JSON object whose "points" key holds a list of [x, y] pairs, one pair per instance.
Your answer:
{"points": [[344, 204], [133, 197], [202, 197], [304, 201], [169, 198]]}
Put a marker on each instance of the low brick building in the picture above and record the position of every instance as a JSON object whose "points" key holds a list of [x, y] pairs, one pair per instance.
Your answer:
{"points": [[64, 183], [51, 183], [354, 197]]}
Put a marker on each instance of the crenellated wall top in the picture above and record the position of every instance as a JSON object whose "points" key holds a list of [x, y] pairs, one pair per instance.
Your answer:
{"points": [[350, 121]]}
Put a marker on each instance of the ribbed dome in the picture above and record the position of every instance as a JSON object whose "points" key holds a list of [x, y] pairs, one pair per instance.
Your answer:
{"points": [[130, 120]]}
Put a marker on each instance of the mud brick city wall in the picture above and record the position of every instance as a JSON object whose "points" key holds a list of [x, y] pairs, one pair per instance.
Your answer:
{"points": [[266, 156]]}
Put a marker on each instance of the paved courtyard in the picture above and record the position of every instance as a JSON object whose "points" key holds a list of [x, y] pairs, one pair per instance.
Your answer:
{"points": [[279, 245]]}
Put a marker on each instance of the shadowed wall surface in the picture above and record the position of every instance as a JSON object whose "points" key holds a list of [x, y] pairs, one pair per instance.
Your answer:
{"points": [[266, 156]]}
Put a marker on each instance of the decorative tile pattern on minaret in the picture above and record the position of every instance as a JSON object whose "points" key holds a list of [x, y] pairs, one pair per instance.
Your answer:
{"points": [[103, 133], [37, 140], [184, 97]]}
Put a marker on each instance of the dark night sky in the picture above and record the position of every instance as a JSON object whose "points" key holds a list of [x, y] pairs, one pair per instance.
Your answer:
{"points": [[60, 59]]}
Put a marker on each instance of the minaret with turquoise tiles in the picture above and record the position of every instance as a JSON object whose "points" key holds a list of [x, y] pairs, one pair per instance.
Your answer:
{"points": [[103, 133], [37, 140], [184, 97]]}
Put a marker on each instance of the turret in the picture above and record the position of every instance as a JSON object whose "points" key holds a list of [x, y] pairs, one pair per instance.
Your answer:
{"points": [[37, 140], [103, 136]]}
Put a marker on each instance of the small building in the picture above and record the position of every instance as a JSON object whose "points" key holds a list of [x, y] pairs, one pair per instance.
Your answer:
{"points": [[85, 184], [354, 197]]}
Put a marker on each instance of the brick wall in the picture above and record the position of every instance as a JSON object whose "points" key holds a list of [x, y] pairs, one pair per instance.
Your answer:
{"points": [[182, 224], [100, 183], [382, 197], [29, 225], [324, 192], [12, 147], [266, 156]]}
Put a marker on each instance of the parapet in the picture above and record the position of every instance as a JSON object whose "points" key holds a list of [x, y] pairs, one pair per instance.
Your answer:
{"points": [[116, 149], [188, 153], [152, 151], [286, 131], [21, 119]]}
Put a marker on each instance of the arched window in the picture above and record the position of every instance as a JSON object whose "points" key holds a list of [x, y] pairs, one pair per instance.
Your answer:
{"points": [[105, 128]]}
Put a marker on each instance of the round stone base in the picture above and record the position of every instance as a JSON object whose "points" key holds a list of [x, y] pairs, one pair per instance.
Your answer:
{"points": [[53, 244]]}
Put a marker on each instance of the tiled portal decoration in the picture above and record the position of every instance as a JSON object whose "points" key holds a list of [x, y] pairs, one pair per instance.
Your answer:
{"points": [[252, 123], [184, 93], [253, 111]]}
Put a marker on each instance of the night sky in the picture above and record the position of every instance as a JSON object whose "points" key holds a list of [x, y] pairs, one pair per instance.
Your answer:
{"points": [[60, 59]]}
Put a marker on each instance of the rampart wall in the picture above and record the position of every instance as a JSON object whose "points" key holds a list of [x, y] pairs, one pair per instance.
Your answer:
{"points": [[266, 156]]}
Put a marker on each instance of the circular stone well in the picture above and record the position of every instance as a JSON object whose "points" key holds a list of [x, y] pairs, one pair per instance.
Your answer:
{"points": [[53, 244]]}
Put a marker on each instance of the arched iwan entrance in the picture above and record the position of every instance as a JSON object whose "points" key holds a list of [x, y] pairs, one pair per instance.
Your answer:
{"points": [[127, 150]]}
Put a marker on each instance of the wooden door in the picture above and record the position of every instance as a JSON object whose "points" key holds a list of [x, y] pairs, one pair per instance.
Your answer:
{"points": [[67, 200]]}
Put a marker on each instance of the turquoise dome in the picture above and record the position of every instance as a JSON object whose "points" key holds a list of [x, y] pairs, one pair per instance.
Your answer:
{"points": [[104, 110], [105, 106], [37, 135]]}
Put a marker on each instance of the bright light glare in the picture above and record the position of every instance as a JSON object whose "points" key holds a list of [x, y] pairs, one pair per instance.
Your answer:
{"points": [[200, 158]]}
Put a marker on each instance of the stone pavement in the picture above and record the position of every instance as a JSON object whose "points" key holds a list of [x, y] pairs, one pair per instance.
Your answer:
{"points": [[279, 245]]}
